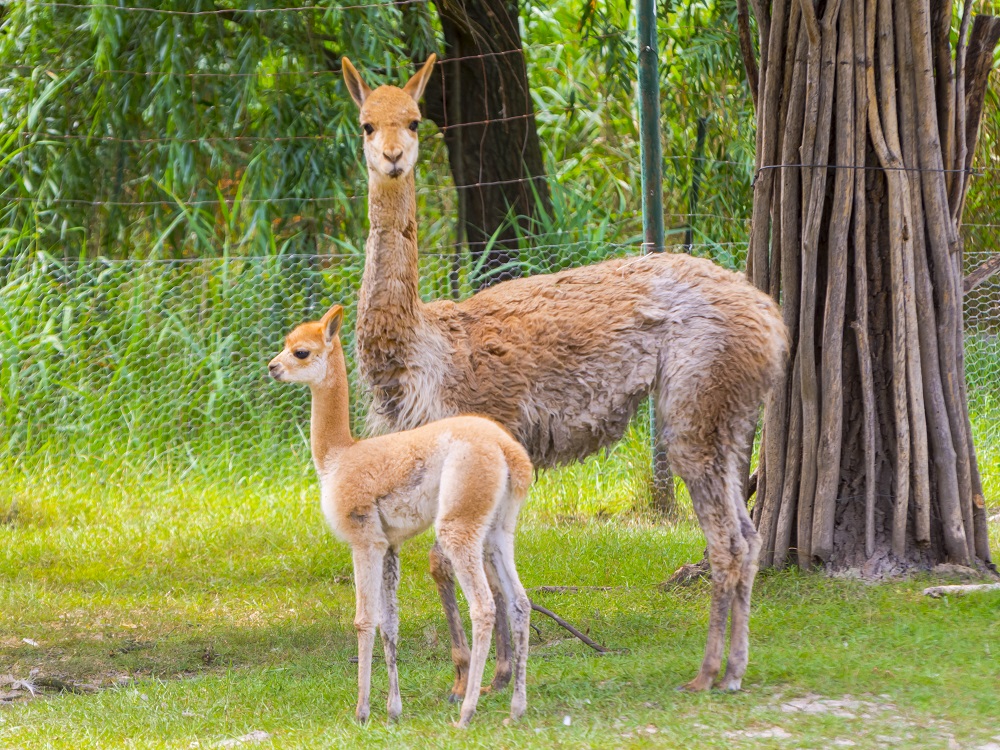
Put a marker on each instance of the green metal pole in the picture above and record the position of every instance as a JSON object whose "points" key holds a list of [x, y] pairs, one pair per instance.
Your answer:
{"points": [[651, 153], [650, 149]]}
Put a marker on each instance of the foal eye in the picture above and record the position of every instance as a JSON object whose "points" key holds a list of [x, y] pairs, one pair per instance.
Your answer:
{"points": [[368, 128], [301, 353], [414, 125]]}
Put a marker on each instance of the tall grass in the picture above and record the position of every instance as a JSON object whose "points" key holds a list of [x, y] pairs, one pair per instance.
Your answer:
{"points": [[161, 364]]}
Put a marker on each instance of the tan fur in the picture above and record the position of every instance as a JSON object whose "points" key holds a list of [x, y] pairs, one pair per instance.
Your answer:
{"points": [[465, 475], [564, 360]]}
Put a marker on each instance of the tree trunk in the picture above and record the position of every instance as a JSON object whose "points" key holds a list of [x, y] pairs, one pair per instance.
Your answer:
{"points": [[482, 102], [867, 122]]}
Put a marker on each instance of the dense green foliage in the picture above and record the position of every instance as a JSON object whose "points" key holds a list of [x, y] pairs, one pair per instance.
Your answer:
{"points": [[147, 156], [234, 133], [144, 156]]}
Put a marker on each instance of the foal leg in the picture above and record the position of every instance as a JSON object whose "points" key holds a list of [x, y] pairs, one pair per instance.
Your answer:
{"points": [[368, 589], [471, 574], [389, 628], [444, 576], [500, 563]]}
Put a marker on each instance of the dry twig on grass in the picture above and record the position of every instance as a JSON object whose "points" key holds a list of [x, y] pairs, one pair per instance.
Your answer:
{"points": [[939, 591], [589, 641]]}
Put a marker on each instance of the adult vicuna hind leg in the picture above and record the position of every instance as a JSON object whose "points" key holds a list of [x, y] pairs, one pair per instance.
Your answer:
{"points": [[713, 489], [739, 628]]}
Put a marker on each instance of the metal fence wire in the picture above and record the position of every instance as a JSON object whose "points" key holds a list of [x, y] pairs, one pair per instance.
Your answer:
{"points": [[167, 359], [164, 358]]}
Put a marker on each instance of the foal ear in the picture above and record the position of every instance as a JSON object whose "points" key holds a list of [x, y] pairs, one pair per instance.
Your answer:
{"points": [[330, 323], [358, 89], [416, 85]]}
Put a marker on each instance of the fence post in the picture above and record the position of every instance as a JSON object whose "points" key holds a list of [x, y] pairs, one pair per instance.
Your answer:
{"points": [[651, 152]]}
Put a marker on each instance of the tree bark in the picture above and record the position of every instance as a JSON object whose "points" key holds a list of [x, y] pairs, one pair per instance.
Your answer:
{"points": [[867, 459], [481, 99]]}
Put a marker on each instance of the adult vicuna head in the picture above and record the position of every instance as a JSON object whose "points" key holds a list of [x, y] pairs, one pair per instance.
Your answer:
{"points": [[390, 119]]}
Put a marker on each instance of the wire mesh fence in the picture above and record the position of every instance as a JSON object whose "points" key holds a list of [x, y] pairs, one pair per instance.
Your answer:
{"points": [[167, 359], [151, 265]]}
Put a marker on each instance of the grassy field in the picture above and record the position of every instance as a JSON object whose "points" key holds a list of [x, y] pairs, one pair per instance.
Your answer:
{"points": [[203, 611]]}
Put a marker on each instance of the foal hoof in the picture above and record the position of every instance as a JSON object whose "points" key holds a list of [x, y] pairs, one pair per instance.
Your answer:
{"points": [[454, 697], [731, 684], [517, 709]]}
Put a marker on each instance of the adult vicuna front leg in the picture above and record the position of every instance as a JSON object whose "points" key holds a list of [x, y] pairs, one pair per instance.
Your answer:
{"points": [[502, 644], [368, 566], [444, 576], [389, 628]]}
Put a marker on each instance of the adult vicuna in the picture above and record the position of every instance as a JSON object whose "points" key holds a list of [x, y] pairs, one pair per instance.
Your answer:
{"points": [[564, 360], [465, 475]]}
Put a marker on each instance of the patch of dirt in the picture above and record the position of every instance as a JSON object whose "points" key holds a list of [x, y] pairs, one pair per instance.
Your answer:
{"points": [[884, 566], [247, 739], [846, 707], [770, 733], [961, 572]]}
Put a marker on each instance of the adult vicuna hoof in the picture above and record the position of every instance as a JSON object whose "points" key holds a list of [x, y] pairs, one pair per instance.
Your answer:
{"points": [[500, 681], [697, 685], [362, 713]]}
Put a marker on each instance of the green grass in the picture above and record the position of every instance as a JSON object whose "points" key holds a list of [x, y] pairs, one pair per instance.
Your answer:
{"points": [[205, 609]]}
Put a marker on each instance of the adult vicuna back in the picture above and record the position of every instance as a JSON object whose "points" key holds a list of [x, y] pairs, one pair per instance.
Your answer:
{"points": [[564, 360]]}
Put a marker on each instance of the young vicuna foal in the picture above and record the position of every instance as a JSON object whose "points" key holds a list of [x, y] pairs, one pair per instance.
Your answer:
{"points": [[465, 475]]}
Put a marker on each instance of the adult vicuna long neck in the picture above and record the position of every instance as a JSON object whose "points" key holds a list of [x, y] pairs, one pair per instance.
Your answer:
{"points": [[389, 305], [330, 424]]}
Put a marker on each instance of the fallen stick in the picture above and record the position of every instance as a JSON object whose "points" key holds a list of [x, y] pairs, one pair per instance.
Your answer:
{"points": [[589, 641], [53, 683], [938, 591]]}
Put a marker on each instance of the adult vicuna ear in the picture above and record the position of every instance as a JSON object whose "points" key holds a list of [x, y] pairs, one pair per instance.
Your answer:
{"points": [[358, 89], [331, 323], [416, 85]]}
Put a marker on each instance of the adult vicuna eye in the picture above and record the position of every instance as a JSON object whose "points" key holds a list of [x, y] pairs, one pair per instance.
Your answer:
{"points": [[301, 353], [368, 128], [414, 125]]}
